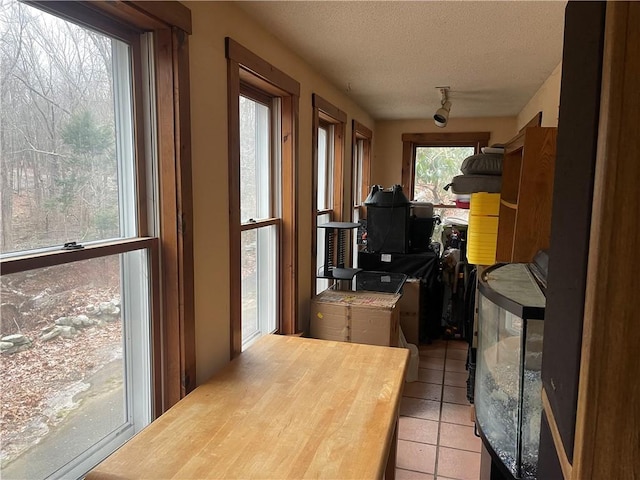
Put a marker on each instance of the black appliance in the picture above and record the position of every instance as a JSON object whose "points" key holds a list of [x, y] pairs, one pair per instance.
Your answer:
{"points": [[387, 220]]}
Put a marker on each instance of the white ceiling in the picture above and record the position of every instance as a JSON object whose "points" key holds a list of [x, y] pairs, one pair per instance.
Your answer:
{"points": [[390, 55]]}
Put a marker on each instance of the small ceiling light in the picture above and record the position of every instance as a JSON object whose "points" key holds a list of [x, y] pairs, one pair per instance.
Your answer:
{"points": [[442, 114]]}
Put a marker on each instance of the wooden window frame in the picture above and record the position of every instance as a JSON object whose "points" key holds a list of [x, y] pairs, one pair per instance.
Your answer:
{"points": [[243, 66], [412, 140], [326, 113], [173, 328], [360, 132]]}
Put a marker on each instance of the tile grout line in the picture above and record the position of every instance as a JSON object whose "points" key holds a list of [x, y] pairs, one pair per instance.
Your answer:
{"points": [[444, 368]]}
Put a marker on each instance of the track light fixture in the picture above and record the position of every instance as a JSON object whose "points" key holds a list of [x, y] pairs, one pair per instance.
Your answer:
{"points": [[442, 114]]}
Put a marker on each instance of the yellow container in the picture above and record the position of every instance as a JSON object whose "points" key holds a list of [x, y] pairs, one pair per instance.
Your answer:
{"points": [[489, 252], [482, 239], [483, 224], [483, 203], [479, 247], [483, 228], [483, 253], [481, 259]]}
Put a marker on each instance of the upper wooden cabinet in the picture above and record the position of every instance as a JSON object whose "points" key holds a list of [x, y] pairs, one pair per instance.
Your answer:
{"points": [[527, 190]]}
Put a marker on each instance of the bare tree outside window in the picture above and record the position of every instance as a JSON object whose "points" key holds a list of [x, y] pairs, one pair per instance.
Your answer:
{"points": [[434, 169], [74, 349], [58, 168]]}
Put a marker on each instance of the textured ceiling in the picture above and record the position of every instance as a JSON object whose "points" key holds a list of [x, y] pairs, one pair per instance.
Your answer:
{"points": [[390, 56]]}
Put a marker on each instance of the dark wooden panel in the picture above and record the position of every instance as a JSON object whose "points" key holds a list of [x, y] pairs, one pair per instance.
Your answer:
{"points": [[185, 208], [447, 138], [548, 464], [571, 217]]}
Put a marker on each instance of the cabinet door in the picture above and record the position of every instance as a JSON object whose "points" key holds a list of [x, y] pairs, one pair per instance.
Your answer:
{"points": [[535, 194]]}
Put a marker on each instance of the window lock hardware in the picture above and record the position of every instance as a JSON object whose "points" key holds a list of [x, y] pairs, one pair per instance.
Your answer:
{"points": [[72, 246]]}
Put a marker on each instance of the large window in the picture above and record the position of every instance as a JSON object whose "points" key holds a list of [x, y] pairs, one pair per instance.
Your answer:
{"points": [[259, 214], [262, 196], [85, 338], [328, 137], [434, 169], [430, 161]]}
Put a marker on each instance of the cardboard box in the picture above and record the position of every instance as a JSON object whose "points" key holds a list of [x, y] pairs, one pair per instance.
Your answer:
{"points": [[358, 317], [409, 306]]}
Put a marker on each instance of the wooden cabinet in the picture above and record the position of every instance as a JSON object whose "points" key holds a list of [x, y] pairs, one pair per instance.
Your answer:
{"points": [[527, 189]]}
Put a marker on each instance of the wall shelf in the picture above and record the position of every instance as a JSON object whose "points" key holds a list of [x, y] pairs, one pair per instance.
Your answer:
{"points": [[514, 206]]}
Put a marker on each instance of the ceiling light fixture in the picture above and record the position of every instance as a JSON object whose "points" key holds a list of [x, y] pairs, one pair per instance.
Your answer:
{"points": [[442, 114]]}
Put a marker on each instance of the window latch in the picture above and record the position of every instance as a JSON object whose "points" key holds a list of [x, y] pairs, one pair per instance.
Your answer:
{"points": [[72, 246]]}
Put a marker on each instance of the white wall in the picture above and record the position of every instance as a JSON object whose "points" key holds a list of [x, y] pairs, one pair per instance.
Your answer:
{"points": [[545, 100]]}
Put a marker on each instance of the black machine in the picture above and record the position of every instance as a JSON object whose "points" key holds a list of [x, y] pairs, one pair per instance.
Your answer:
{"points": [[390, 226]]}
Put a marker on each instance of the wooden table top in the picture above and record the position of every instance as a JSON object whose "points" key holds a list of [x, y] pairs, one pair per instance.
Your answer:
{"points": [[288, 407]]}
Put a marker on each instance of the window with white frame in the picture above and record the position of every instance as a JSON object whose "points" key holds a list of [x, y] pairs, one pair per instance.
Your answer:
{"points": [[259, 214], [263, 197], [325, 194], [76, 364]]}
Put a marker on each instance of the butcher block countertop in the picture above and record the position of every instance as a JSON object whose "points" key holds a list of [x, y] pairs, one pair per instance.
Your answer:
{"points": [[288, 407]]}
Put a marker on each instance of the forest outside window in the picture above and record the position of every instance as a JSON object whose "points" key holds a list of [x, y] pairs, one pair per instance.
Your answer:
{"points": [[82, 364], [430, 161], [76, 365]]}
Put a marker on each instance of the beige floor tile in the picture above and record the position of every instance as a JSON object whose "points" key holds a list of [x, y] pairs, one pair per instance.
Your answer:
{"points": [[455, 395], [432, 363], [430, 376], [458, 464], [428, 391], [459, 344], [454, 413], [416, 407], [437, 352], [458, 436], [409, 475], [456, 379], [434, 344], [418, 457], [418, 430], [456, 366], [456, 354]]}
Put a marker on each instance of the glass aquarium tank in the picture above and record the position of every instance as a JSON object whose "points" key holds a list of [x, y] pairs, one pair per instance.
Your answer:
{"points": [[508, 383]]}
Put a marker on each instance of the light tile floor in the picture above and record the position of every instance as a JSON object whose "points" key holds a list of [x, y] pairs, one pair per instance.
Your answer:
{"points": [[435, 433]]}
